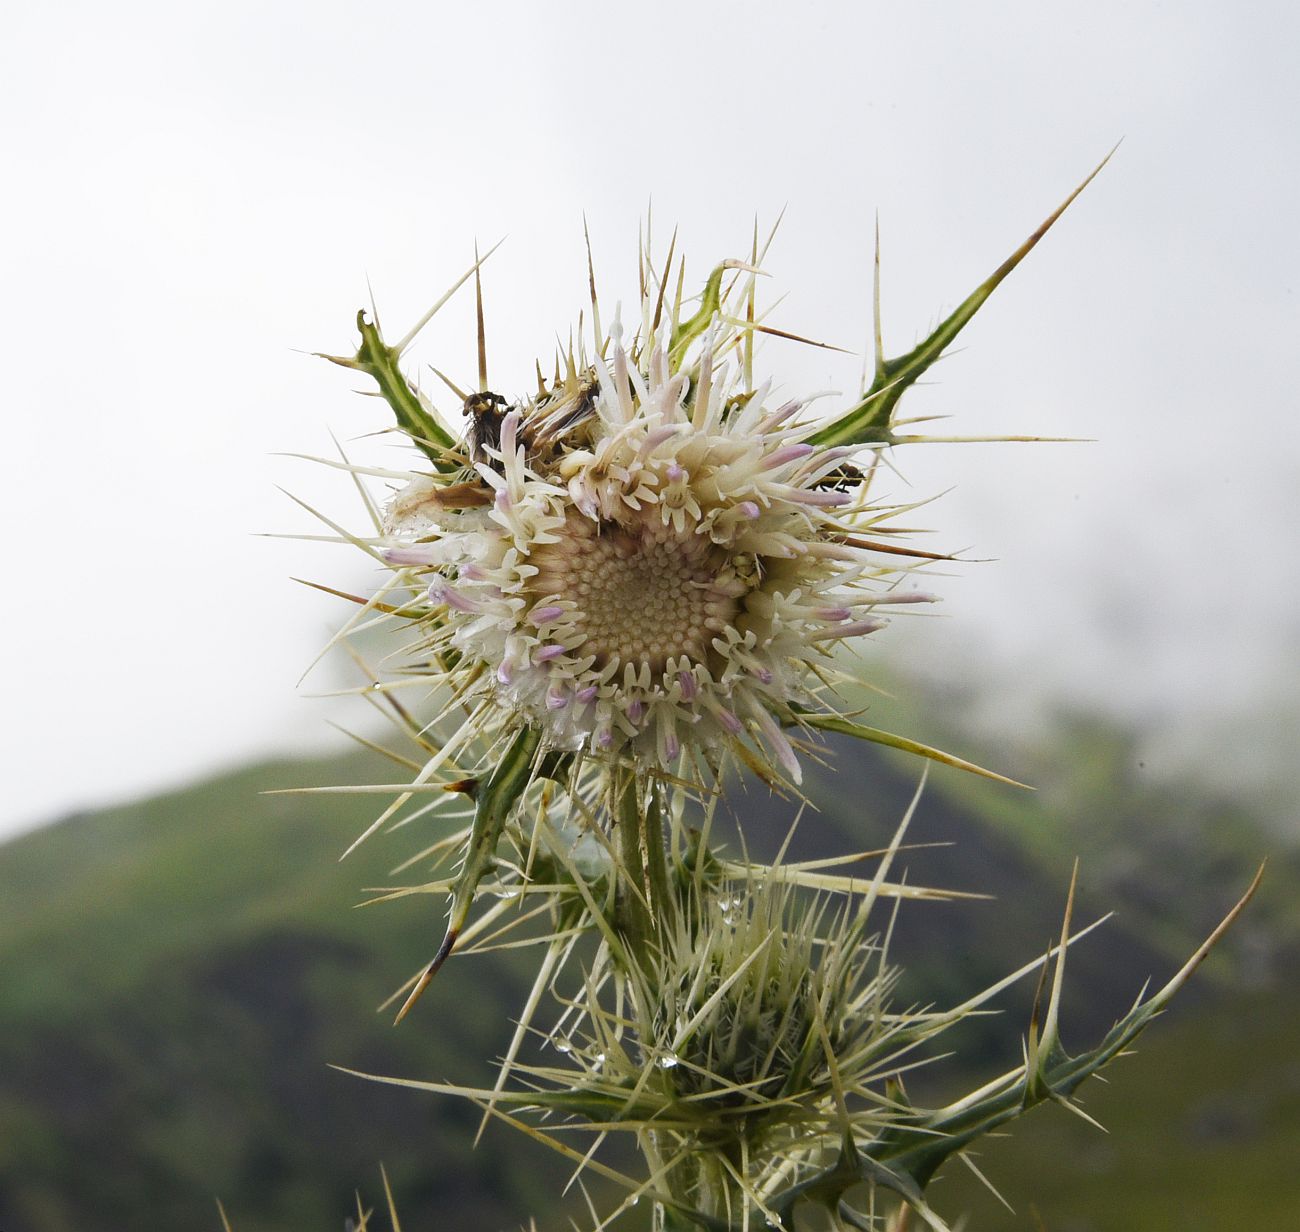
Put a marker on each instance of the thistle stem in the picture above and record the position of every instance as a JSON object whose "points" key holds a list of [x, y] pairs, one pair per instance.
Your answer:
{"points": [[654, 852], [645, 905], [632, 905]]}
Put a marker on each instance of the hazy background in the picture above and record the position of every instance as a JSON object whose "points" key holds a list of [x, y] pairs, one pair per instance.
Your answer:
{"points": [[195, 196]]}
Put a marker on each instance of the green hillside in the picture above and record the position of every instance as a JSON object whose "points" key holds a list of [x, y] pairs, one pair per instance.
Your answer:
{"points": [[178, 974]]}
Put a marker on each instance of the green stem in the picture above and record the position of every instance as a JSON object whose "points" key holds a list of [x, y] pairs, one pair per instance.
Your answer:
{"points": [[632, 905], [654, 851]]}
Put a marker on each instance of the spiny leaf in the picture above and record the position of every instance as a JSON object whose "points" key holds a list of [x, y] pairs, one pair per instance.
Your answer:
{"points": [[377, 359], [493, 805], [710, 301], [919, 1150], [869, 420]]}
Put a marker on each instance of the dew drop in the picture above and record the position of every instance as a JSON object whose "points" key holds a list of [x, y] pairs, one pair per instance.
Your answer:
{"points": [[562, 1045], [732, 910], [668, 1060]]}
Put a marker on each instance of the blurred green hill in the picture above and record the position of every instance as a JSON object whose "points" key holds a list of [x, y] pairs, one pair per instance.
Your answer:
{"points": [[177, 975]]}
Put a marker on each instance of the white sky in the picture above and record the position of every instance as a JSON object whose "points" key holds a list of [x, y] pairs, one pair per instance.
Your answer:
{"points": [[195, 194]]}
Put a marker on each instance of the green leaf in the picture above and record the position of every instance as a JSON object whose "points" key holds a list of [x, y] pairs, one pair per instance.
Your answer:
{"points": [[377, 359], [869, 420], [919, 1150], [493, 804], [710, 301]]}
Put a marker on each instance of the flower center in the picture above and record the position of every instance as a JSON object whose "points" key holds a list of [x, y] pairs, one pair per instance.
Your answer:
{"points": [[643, 595]]}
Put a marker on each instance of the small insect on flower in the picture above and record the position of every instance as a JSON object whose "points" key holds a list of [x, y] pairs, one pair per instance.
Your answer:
{"points": [[485, 412]]}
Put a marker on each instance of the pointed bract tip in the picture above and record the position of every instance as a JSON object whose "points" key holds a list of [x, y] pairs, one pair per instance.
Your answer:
{"points": [[426, 978]]}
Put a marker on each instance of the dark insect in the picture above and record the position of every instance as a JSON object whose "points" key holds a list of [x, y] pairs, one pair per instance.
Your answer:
{"points": [[486, 411], [555, 414], [584, 403], [843, 478], [546, 422]]}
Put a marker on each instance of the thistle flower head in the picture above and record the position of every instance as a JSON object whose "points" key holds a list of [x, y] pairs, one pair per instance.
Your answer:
{"points": [[647, 558]]}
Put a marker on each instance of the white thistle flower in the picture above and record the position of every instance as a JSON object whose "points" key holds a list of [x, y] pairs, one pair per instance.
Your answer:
{"points": [[647, 558]]}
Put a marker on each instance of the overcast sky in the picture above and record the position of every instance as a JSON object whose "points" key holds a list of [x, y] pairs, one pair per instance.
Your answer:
{"points": [[196, 194]]}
